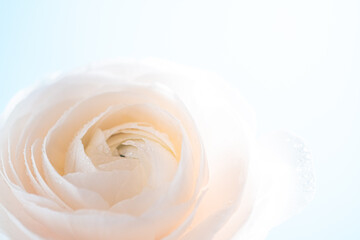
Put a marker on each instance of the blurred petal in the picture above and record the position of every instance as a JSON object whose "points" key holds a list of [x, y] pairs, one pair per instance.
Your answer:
{"points": [[14, 229], [282, 171]]}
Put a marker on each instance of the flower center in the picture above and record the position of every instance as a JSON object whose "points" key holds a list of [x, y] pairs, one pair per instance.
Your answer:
{"points": [[127, 159]]}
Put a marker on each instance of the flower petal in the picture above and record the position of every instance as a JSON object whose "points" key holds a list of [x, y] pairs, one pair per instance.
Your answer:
{"points": [[282, 171]]}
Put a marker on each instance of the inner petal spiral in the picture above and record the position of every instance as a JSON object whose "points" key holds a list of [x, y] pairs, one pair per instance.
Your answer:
{"points": [[126, 159]]}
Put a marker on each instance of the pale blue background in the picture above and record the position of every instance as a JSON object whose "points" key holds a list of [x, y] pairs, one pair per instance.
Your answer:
{"points": [[297, 63]]}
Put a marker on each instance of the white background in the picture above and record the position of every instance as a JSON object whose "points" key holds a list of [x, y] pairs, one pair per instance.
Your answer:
{"points": [[296, 62]]}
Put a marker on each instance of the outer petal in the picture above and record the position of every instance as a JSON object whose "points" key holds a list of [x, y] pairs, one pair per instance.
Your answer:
{"points": [[282, 172], [14, 228]]}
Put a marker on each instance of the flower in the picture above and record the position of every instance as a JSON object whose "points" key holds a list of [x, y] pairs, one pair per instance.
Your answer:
{"points": [[144, 150]]}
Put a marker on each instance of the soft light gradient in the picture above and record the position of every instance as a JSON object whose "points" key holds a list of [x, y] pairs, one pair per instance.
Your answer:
{"points": [[296, 62]]}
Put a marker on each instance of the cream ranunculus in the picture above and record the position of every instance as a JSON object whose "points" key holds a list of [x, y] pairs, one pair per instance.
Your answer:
{"points": [[144, 150]]}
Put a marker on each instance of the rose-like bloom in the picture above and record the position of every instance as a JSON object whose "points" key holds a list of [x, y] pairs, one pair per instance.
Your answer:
{"points": [[144, 150]]}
